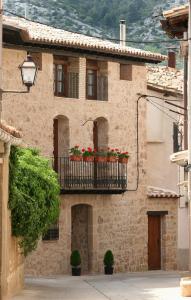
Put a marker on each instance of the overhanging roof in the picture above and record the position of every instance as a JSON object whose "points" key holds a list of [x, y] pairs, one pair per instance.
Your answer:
{"points": [[175, 21], [36, 33]]}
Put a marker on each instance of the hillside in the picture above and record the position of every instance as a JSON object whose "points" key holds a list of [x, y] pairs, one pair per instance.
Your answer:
{"points": [[99, 17]]}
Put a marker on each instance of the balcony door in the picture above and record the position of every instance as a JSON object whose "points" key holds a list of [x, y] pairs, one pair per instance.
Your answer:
{"points": [[61, 141], [55, 144]]}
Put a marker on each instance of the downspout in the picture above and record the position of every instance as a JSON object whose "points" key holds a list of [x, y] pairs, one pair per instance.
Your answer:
{"points": [[185, 96]]}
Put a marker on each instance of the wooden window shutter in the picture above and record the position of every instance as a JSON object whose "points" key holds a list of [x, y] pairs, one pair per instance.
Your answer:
{"points": [[102, 88], [37, 57], [125, 72]]}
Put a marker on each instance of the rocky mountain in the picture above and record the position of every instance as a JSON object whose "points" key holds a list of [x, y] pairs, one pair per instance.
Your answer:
{"points": [[100, 17]]}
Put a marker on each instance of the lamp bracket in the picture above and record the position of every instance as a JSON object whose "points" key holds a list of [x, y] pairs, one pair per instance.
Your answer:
{"points": [[15, 91]]}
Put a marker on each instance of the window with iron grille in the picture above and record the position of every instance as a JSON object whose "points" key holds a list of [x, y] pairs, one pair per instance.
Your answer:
{"points": [[177, 138], [52, 233]]}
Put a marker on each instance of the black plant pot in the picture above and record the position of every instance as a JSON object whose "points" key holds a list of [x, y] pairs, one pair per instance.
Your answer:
{"points": [[76, 271], [108, 270]]}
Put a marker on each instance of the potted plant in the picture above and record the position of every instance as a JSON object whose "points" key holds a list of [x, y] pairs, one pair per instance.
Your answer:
{"points": [[112, 155], [75, 154], [123, 157], [75, 261], [108, 262], [101, 156], [88, 154]]}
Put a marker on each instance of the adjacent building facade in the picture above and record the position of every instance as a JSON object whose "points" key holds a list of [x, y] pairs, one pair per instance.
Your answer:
{"points": [[11, 260], [88, 93], [175, 24]]}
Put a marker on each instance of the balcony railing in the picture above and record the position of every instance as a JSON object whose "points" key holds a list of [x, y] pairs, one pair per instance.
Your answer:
{"points": [[91, 177]]}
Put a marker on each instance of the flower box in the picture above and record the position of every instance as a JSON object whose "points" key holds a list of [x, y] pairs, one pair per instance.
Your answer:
{"points": [[123, 160], [112, 158], [76, 157], [88, 158], [101, 159]]}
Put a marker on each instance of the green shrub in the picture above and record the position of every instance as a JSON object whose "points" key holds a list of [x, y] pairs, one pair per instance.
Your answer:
{"points": [[108, 259], [75, 259], [33, 196]]}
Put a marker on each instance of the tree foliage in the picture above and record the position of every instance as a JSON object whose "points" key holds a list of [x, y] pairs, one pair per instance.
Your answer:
{"points": [[33, 196]]}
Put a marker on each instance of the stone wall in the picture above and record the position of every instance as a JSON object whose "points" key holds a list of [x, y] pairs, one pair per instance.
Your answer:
{"points": [[119, 222], [11, 259]]}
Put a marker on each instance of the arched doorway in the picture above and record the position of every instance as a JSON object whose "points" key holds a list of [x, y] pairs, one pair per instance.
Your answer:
{"points": [[82, 231], [100, 133], [61, 140]]}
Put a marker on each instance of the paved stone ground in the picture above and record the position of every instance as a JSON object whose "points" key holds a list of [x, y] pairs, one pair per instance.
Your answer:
{"points": [[158, 285]]}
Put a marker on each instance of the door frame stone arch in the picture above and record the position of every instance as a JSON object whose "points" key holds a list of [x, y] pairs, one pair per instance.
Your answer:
{"points": [[93, 265]]}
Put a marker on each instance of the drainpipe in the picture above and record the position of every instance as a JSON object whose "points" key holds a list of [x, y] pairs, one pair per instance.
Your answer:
{"points": [[123, 33], [185, 95], [189, 128]]}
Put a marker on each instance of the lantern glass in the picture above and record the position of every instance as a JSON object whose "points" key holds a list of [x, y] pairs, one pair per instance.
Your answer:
{"points": [[28, 71]]}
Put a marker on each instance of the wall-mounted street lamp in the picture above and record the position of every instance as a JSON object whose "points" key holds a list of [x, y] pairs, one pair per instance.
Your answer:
{"points": [[28, 74]]}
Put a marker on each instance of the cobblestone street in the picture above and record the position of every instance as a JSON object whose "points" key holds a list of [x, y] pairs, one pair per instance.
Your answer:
{"points": [[158, 285]]}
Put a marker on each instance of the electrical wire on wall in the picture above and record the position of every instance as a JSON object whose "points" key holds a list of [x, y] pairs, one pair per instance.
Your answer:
{"points": [[146, 97]]}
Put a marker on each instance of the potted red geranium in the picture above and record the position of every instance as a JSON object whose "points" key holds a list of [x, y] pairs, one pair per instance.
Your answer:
{"points": [[112, 155], [75, 153], [88, 154], [101, 156], [123, 157]]}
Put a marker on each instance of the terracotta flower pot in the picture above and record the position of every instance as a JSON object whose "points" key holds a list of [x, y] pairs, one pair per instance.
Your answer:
{"points": [[112, 158], [76, 271], [76, 157], [123, 160], [108, 270], [88, 158], [101, 159]]}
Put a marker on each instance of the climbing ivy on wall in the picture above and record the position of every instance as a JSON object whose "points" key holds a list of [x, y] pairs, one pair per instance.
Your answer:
{"points": [[33, 196]]}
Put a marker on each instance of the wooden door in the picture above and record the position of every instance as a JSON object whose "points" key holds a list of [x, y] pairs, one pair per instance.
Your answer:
{"points": [[95, 135], [55, 152], [154, 242]]}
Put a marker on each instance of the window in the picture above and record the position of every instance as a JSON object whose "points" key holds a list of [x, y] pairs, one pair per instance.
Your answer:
{"points": [[60, 79], [125, 72], [37, 57], [91, 84], [177, 138], [52, 233]]}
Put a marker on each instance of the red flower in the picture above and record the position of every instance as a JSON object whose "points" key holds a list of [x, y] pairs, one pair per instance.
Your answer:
{"points": [[89, 149], [83, 150], [112, 150]]}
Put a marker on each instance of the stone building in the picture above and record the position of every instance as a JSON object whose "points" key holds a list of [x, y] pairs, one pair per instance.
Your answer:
{"points": [[165, 87], [88, 93], [175, 25]]}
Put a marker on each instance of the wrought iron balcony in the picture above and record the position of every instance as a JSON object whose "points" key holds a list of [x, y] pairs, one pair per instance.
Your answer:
{"points": [[91, 177]]}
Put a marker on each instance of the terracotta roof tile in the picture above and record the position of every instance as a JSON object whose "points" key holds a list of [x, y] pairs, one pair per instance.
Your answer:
{"points": [[10, 130], [165, 78], [156, 192], [176, 11], [38, 33]]}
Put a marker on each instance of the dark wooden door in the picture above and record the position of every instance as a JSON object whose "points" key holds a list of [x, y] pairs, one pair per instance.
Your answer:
{"points": [[55, 152], [95, 135], [154, 242], [95, 142]]}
